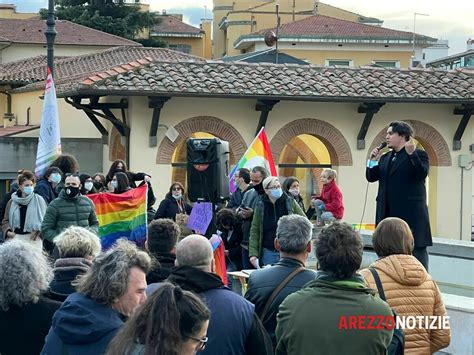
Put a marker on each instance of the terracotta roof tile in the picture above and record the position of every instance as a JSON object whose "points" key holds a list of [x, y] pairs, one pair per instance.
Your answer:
{"points": [[283, 81], [329, 27], [10, 131], [171, 25]]}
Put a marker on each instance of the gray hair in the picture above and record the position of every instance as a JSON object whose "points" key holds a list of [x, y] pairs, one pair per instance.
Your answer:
{"points": [[268, 181], [294, 232], [194, 250], [260, 169], [25, 273], [107, 279], [77, 242]]}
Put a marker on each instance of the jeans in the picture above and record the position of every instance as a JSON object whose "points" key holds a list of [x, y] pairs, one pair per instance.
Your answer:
{"points": [[323, 215], [422, 255], [270, 257], [245, 260]]}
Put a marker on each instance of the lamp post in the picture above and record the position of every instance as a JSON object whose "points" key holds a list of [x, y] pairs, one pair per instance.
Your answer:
{"points": [[413, 39], [50, 34]]}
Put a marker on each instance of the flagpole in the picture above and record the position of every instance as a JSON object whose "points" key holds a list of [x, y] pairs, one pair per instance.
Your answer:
{"points": [[50, 34]]}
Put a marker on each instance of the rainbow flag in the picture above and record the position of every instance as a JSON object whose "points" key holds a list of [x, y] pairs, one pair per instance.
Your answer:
{"points": [[257, 154], [122, 216], [49, 143]]}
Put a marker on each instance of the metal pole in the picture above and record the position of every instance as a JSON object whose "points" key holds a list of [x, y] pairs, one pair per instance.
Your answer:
{"points": [[277, 32], [50, 34]]}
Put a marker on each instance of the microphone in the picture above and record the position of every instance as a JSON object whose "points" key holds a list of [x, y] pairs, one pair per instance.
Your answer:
{"points": [[379, 148]]}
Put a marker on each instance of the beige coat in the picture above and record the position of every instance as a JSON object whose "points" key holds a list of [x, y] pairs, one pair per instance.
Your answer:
{"points": [[411, 291]]}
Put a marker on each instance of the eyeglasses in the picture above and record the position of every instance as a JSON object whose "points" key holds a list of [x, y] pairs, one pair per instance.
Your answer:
{"points": [[202, 342], [176, 189], [274, 187]]}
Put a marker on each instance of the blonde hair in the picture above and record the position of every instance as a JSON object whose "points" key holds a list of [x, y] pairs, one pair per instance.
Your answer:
{"points": [[268, 181], [330, 173], [77, 242]]}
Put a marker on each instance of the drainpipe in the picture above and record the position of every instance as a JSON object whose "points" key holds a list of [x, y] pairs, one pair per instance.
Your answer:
{"points": [[8, 115], [28, 110]]}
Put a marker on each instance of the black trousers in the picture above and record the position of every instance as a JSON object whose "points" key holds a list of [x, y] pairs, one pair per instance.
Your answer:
{"points": [[422, 255]]}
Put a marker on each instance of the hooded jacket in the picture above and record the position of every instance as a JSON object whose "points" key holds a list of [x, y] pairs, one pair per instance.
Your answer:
{"points": [[68, 211], [411, 291], [65, 272], [82, 326]]}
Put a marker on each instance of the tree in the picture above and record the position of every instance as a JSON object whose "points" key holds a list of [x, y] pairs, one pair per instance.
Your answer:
{"points": [[111, 16]]}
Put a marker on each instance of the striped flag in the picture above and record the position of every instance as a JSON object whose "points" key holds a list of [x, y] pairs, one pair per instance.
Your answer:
{"points": [[257, 154], [49, 144], [122, 216]]}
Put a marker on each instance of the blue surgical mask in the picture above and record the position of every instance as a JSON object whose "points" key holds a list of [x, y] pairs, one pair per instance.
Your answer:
{"points": [[276, 193], [114, 184], [55, 177], [178, 197], [28, 190]]}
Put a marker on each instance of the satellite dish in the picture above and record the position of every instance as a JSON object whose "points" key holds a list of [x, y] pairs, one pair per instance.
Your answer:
{"points": [[270, 38]]}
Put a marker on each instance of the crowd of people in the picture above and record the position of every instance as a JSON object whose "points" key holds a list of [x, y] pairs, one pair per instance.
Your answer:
{"points": [[62, 294]]}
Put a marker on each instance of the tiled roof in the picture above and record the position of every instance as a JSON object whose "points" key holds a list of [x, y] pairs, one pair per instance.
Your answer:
{"points": [[10, 131], [32, 31], [171, 25], [294, 82], [329, 27], [33, 70]]}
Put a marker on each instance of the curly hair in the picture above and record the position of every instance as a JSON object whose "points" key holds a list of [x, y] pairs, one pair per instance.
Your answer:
{"points": [[77, 242], [163, 235], [107, 279], [25, 274], [67, 163], [339, 250]]}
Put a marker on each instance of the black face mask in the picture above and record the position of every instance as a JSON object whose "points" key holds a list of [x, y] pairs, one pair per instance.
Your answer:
{"points": [[98, 185], [71, 191], [259, 188]]}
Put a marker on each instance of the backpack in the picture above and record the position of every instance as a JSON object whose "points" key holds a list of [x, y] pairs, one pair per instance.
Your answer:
{"points": [[397, 345]]}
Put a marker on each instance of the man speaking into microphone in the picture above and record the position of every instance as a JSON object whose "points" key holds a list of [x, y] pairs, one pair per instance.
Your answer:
{"points": [[401, 174]]}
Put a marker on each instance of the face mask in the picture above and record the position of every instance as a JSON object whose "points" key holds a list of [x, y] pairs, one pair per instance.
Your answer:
{"points": [[55, 177], [71, 191], [98, 185], [28, 190], [295, 192], [88, 185], [114, 184], [276, 193], [177, 197]]}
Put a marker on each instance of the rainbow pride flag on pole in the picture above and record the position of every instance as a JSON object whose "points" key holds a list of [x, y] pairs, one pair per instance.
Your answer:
{"points": [[49, 143], [257, 154], [122, 216]]}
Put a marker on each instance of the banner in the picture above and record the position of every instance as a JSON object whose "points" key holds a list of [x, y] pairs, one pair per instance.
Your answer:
{"points": [[49, 143], [257, 154], [122, 216]]}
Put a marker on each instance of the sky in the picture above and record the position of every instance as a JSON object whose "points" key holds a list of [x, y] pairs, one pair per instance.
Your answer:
{"points": [[447, 20]]}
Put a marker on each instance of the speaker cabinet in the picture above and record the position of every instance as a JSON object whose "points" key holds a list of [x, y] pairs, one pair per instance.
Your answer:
{"points": [[208, 169]]}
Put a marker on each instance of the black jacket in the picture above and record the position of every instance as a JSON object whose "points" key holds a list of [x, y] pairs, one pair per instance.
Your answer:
{"points": [[161, 271], [24, 329], [232, 244], [46, 190], [169, 208], [263, 282], [234, 324], [402, 191], [65, 272]]}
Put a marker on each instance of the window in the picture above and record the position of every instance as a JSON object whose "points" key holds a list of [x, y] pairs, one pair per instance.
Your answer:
{"points": [[339, 62], [387, 63], [183, 48]]}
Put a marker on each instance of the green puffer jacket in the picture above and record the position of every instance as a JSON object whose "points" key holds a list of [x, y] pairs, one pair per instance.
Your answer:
{"points": [[66, 211], [256, 231]]}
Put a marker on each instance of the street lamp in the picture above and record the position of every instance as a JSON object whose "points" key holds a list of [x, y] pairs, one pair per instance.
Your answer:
{"points": [[413, 40], [50, 34]]}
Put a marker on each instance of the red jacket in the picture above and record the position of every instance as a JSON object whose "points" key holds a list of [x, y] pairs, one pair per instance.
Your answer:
{"points": [[332, 198]]}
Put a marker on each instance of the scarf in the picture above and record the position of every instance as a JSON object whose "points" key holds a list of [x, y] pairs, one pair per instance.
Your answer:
{"points": [[34, 213]]}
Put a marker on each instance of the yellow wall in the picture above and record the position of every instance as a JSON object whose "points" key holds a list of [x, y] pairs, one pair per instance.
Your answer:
{"points": [[318, 57], [444, 181], [197, 44], [206, 26], [12, 14]]}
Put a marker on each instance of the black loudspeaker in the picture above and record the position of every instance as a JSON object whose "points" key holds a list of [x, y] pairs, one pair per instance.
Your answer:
{"points": [[208, 169]]}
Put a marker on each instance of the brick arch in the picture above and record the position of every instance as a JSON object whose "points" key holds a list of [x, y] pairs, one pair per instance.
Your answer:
{"points": [[212, 125], [116, 148], [330, 136], [431, 140]]}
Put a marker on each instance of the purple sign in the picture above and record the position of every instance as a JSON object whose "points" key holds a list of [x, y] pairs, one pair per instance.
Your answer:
{"points": [[200, 217]]}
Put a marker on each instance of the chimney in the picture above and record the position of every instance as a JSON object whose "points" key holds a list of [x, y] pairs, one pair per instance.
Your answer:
{"points": [[316, 7], [470, 44]]}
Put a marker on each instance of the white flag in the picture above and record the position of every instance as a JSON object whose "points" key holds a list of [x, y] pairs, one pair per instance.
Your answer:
{"points": [[49, 144]]}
